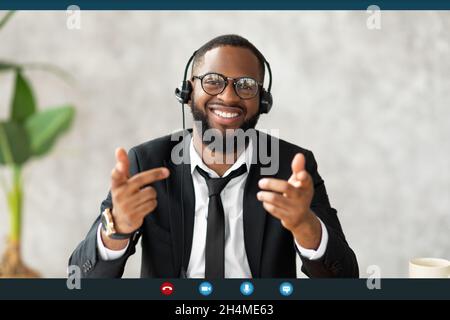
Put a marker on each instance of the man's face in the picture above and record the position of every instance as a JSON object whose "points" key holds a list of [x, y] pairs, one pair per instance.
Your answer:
{"points": [[231, 62]]}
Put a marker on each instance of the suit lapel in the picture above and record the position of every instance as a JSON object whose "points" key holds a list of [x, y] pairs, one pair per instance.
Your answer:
{"points": [[254, 215], [182, 208]]}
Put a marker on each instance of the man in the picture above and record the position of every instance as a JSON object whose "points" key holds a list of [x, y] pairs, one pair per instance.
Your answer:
{"points": [[217, 215]]}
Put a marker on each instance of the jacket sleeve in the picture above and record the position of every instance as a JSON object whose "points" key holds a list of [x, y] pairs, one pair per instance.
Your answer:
{"points": [[86, 255], [339, 260]]}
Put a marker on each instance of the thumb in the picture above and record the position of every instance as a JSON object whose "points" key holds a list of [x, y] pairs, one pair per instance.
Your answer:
{"points": [[119, 174], [122, 163], [298, 163]]}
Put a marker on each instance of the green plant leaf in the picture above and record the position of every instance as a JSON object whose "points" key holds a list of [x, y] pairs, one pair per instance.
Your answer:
{"points": [[6, 66], [50, 68], [14, 144], [45, 127], [23, 104], [5, 18]]}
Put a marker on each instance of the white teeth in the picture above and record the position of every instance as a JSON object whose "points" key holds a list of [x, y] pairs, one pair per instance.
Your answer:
{"points": [[225, 114]]}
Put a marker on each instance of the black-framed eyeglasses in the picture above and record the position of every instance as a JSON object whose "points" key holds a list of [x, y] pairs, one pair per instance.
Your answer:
{"points": [[215, 83]]}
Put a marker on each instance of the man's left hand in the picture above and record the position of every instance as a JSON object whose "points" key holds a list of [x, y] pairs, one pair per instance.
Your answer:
{"points": [[290, 202]]}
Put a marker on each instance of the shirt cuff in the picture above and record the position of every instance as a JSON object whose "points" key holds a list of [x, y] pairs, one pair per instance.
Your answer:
{"points": [[105, 253], [315, 254]]}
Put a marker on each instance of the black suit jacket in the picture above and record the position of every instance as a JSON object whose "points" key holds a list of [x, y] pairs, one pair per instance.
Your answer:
{"points": [[270, 247]]}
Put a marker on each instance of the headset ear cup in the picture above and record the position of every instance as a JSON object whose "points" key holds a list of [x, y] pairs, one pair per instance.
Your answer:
{"points": [[265, 102], [183, 93], [187, 91]]}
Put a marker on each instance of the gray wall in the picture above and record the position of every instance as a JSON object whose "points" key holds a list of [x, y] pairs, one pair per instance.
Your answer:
{"points": [[373, 105]]}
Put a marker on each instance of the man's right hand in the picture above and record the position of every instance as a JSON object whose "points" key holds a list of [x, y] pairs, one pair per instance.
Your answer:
{"points": [[133, 198]]}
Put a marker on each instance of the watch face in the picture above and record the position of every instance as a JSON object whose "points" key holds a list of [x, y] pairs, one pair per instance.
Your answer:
{"points": [[107, 222], [103, 222], [108, 226]]}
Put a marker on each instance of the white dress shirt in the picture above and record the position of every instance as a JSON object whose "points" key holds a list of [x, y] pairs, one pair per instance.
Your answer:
{"points": [[236, 262]]}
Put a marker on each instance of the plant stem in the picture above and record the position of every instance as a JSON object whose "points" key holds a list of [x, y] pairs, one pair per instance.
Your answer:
{"points": [[3, 184], [15, 201]]}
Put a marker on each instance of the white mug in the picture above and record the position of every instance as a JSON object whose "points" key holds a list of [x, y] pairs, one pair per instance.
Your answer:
{"points": [[429, 268]]}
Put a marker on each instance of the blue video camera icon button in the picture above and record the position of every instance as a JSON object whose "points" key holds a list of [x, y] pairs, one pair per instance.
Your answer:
{"points": [[205, 288]]}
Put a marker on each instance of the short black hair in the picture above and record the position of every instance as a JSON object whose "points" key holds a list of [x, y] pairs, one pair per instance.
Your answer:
{"points": [[233, 40]]}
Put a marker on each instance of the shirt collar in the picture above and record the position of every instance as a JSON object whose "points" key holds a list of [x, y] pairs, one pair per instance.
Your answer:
{"points": [[244, 157]]}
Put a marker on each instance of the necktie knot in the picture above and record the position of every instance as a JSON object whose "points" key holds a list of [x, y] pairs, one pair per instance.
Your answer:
{"points": [[216, 185]]}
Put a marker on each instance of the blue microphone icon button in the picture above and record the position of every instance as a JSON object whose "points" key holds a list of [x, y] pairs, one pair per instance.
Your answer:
{"points": [[247, 288]]}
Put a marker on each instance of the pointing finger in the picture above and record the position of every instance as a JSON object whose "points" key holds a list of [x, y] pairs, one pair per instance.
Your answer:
{"points": [[146, 177]]}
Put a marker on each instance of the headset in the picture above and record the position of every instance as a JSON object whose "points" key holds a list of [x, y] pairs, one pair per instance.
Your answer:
{"points": [[183, 95], [184, 91]]}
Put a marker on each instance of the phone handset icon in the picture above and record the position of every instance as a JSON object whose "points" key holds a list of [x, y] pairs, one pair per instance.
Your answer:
{"points": [[166, 288]]}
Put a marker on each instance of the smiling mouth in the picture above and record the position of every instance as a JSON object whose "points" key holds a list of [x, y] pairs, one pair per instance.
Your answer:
{"points": [[228, 113]]}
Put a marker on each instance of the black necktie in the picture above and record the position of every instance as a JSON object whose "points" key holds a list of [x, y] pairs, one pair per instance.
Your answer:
{"points": [[215, 233]]}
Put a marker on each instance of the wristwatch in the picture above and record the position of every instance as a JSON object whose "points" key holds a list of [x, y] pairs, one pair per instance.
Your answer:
{"points": [[110, 230]]}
